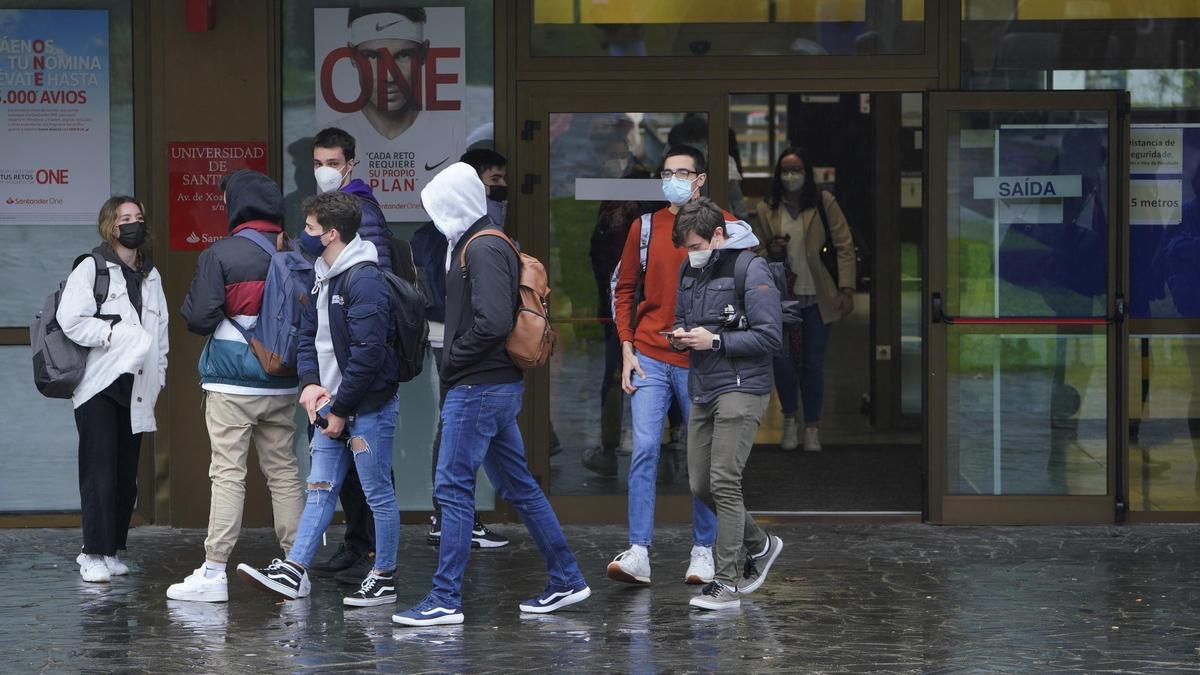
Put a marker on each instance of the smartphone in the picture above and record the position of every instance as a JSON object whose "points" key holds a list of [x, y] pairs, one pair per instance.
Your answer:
{"points": [[667, 333], [323, 411]]}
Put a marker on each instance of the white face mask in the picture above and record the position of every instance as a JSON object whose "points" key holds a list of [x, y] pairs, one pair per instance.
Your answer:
{"points": [[328, 179], [793, 181], [699, 259]]}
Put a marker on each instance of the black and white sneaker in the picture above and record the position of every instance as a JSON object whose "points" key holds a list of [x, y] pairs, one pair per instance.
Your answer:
{"points": [[755, 571], [482, 537], [376, 589], [717, 595], [280, 577], [434, 538]]}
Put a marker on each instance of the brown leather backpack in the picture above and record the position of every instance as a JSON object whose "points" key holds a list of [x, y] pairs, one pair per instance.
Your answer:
{"points": [[531, 341]]}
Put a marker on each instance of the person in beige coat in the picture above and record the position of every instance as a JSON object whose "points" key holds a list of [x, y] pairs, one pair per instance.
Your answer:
{"points": [[791, 221]]}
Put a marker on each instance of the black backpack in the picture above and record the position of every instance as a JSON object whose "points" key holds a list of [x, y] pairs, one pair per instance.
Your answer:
{"points": [[409, 332], [58, 362], [791, 308]]}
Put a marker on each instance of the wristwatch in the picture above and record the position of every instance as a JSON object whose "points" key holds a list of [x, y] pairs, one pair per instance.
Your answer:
{"points": [[716, 343]]}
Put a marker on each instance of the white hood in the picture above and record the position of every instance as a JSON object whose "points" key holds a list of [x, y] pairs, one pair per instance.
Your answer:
{"points": [[455, 199], [357, 251], [739, 234]]}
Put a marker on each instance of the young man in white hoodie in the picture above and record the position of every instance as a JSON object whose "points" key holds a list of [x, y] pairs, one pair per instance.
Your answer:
{"points": [[349, 376], [479, 415]]}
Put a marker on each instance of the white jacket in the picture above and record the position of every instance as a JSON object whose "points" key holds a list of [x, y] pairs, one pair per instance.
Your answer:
{"points": [[136, 345]]}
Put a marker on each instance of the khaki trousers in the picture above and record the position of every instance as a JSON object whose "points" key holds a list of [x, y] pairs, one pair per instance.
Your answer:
{"points": [[720, 435], [233, 421]]}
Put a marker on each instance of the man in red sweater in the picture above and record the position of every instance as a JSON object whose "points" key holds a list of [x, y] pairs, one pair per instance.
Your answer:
{"points": [[653, 373]]}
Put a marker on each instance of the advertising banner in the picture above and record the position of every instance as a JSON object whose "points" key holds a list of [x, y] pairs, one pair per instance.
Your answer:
{"points": [[194, 172], [395, 80], [54, 116]]}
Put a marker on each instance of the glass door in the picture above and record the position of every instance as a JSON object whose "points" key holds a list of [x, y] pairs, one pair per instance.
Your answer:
{"points": [[587, 168], [1023, 308]]}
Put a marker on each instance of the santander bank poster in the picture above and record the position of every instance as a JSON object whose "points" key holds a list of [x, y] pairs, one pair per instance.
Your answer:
{"points": [[54, 127], [395, 79]]}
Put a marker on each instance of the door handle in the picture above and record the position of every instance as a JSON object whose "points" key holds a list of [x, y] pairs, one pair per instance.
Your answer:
{"points": [[938, 315], [528, 182]]}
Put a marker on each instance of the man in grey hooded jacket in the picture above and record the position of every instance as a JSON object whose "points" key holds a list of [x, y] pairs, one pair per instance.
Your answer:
{"points": [[731, 328]]}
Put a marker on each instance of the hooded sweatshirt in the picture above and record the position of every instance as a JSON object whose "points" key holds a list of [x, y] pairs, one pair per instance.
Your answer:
{"points": [[374, 225], [228, 286], [707, 296], [480, 303], [357, 251]]}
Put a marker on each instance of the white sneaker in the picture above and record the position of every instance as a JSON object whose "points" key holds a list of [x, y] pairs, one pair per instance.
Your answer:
{"points": [[791, 434], [199, 588], [115, 566], [702, 568], [812, 443], [631, 567], [93, 569]]}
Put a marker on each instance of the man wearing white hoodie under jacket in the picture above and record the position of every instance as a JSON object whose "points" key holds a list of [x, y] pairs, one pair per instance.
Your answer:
{"points": [[479, 416], [349, 377]]}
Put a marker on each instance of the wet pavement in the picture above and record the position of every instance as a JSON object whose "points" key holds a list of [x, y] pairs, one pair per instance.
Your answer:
{"points": [[842, 598]]}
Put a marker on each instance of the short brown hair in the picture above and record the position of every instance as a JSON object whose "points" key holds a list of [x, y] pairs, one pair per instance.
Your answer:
{"points": [[336, 211], [700, 216]]}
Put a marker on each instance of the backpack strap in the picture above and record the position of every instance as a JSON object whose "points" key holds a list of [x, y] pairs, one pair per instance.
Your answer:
{"points": [[740, 268], [258, 238], [824, 218], [647, 226], [462, 257], [101, 283]]}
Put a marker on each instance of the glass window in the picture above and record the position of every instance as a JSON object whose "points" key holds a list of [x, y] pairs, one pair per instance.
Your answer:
{"points": [[40, 255], [1164, 423], [439, 102], [722, 28]]}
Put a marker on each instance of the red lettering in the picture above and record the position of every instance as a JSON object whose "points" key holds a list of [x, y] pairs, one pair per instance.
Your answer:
{"points": [[39, 46], [39, 62], [433, 78], [38, 78], [52, 176], [362, 64]]}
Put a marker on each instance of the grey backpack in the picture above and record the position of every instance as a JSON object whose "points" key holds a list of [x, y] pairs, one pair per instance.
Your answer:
{"points": [[58, 362]]}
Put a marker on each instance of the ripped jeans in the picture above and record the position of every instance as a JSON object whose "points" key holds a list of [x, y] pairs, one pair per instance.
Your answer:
{"points": [[370, 448]]}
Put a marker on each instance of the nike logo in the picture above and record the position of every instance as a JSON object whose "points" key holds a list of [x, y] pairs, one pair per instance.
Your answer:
{"points": [[379, 26], [435, 610], [431, 167]]}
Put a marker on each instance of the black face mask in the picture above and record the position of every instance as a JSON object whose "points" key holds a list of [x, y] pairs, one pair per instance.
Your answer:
{"points": [[498, 193], [132, 234]]}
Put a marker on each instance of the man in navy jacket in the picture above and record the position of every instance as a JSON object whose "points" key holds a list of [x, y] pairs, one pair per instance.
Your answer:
{"points": [[349, 376]]}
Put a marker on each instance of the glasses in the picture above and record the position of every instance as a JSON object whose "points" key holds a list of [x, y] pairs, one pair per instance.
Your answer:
{"points": [[682, 174]]}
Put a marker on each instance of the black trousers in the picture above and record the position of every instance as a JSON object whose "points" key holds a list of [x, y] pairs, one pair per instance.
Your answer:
{"points": [[108, 466]]}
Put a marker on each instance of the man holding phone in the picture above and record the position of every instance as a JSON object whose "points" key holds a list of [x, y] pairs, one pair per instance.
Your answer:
{"points": [[349, 376]]}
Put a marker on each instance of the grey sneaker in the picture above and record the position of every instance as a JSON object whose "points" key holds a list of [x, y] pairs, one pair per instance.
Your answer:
{"points": [[717, 595], [757, 566]]}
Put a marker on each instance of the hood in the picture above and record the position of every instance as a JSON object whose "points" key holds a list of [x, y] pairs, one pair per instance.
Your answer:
{"points": [[455, 199], [739, 235], [361, 190], [106, 252], [357, 251], [249, 195]]}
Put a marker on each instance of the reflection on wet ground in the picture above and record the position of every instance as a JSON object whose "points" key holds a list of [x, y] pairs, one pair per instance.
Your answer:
{"points": [[842, 598]]}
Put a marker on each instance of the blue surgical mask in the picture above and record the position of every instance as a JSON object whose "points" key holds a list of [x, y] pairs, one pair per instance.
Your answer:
{"points": [[677, 191], [311, 244]]}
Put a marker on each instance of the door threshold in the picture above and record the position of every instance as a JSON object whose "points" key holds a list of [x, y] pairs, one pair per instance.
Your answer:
{"points": [[873, 517]]}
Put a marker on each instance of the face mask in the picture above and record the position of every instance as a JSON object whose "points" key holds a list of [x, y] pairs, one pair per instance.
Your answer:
{"points": [[497, 211], [677, 191], [616, 166], [498, 193], [132, 235], [699, 259], [793, 181], [311, 244], [328, 179]]}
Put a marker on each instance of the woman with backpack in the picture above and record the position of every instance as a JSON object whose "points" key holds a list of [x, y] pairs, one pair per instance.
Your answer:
{"points": [[126, 331], [807, 229]]}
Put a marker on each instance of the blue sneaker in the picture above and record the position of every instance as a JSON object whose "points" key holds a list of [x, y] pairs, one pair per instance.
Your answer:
{"points": [[428, 613], [556, 597]]}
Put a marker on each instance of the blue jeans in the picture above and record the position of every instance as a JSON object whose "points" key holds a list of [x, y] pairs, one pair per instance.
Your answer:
{"points": [[804, 371], [662, 384], [331, 460], [479, 426]]}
